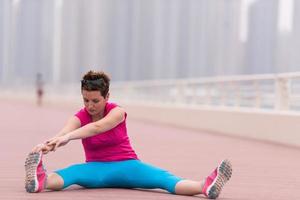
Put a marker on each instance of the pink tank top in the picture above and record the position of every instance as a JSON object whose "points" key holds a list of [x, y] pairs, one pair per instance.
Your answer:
{"points": [[112, 145]]}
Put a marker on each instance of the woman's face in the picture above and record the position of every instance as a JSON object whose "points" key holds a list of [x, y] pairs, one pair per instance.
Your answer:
{"points": [[94, 102]]}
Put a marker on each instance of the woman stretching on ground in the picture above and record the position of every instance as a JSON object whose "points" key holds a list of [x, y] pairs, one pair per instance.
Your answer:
{"points": [[110, 160]]}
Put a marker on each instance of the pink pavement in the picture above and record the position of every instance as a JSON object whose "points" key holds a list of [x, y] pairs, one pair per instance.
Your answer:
{"points": [[261, 170]]}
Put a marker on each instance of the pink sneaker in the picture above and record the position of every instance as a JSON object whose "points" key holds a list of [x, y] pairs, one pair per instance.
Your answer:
{"points": [[217, 179], [36, 176]]}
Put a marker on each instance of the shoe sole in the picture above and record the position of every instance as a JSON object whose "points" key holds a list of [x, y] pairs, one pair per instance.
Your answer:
{"points": [[31, 164], [224, 174]]}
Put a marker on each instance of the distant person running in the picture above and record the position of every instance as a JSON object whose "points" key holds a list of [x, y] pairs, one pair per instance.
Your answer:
{"points": [[39, 88], [110, 160]]}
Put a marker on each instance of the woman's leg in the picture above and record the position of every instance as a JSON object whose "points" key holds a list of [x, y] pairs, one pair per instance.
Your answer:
{"points": [[188, 187], [141, 175], [88, 175], [211, 186], [183, 187], [54, 182], [36, 179]]}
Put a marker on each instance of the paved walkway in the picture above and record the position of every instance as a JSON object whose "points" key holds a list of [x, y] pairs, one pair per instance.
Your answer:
{"points": [[261, 171]]}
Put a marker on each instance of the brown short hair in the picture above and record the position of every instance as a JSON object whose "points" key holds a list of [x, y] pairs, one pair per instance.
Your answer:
{"points": [[96, 81]]}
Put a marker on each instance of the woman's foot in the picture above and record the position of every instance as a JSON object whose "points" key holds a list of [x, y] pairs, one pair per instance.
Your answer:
{"points": [[36, 176], [216, 180]]}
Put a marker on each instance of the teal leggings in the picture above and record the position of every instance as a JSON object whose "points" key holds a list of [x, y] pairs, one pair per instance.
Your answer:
{"points": [[118, 174]]}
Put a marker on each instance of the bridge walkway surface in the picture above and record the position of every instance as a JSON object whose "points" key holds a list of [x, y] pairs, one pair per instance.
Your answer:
{"points": [[260, 170]]}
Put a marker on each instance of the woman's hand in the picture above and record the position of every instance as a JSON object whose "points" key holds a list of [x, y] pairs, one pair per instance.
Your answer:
{"points": [[58, 141], [43, 147]]}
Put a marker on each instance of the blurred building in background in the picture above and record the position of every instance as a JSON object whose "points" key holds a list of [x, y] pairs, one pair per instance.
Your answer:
{"points": [[151, 39], [262, 40]]}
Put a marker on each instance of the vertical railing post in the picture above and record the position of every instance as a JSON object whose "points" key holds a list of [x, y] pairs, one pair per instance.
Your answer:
{"points": [[208, 94], [257, 94], [180, 92], [222, 92], [237, 101], [282, 93]]}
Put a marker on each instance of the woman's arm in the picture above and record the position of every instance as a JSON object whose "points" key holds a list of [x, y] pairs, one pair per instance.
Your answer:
{"points": [[111, 120], [72, 124]]}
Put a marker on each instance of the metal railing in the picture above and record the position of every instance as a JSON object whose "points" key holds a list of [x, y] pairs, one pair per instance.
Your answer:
{"points": [[264, 91]]}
